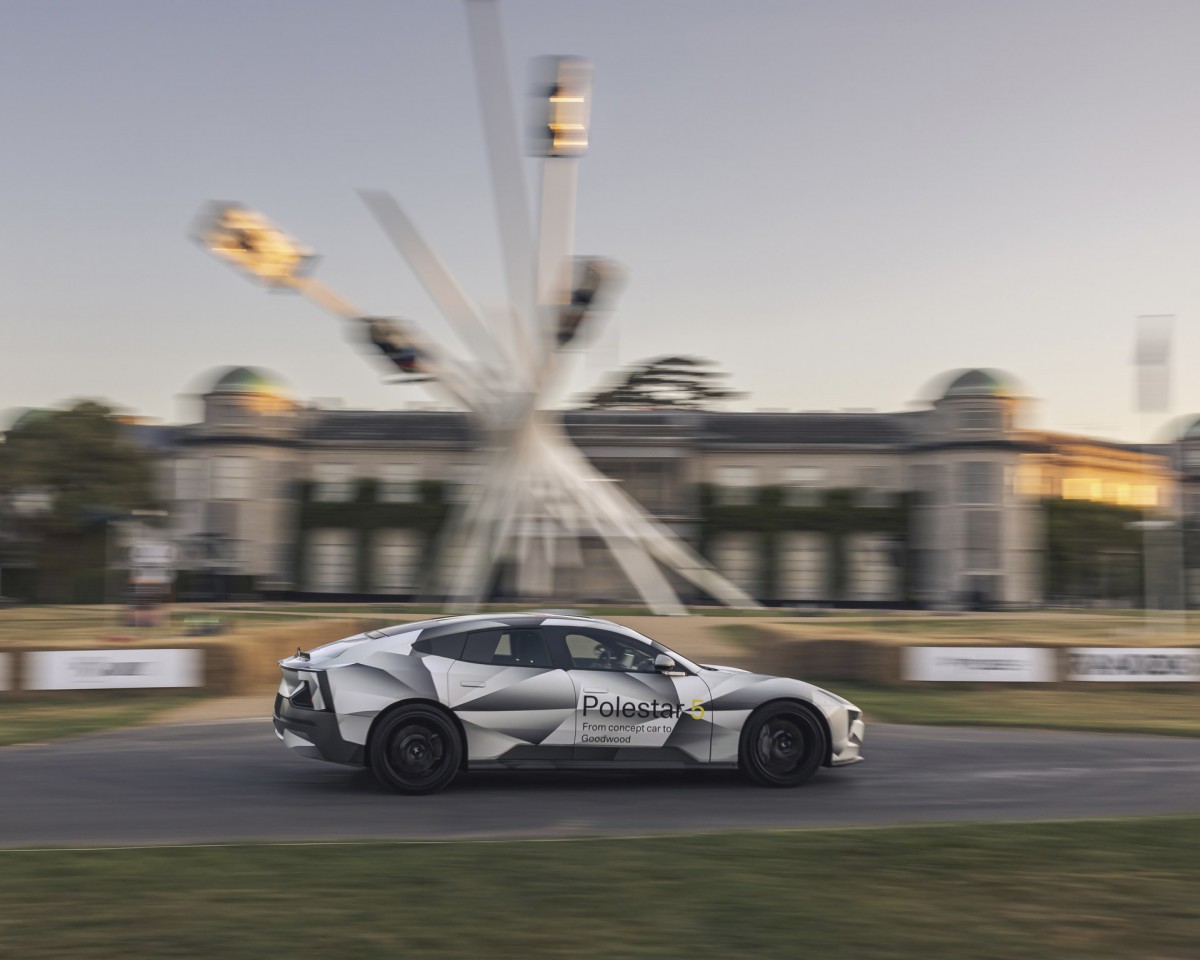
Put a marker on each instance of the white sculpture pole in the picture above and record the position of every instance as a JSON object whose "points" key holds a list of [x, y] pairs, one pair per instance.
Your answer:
{"points": [[537, 493]]}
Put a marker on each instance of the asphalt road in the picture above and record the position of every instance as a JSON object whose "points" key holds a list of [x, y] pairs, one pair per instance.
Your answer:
{"points": [[234, 781]]}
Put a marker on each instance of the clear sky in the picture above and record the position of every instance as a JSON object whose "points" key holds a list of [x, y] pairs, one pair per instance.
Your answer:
{"points": [[836, 200]]}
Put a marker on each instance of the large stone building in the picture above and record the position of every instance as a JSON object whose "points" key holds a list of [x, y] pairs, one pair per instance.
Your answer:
{"points": [[938, 506]]}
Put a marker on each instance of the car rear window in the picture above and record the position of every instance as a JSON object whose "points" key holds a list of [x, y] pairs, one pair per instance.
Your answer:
{"points": [[449, 647]]}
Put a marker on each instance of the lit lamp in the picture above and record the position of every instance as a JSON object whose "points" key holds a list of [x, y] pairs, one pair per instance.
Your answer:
{"points": [[568, 95]]}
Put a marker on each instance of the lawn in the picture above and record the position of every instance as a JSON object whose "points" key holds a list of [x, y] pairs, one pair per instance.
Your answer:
{"points": [[1069, 890], [1173, 711], [30, 719]]}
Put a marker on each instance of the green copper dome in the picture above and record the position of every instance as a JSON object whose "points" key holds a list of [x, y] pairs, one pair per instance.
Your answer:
{"points": [[250, 380], [981, 383]]}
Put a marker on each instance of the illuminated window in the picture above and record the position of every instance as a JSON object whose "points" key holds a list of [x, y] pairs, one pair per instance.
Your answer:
{"points": [[1145, 495], [1081, 488]]}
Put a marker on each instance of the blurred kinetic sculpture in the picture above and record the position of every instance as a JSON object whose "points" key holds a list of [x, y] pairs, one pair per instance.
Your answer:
{"points": [[537, 494]]}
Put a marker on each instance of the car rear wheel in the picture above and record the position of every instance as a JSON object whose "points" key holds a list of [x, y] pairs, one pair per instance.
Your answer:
{"points": [[417, 749], [782, 745]]}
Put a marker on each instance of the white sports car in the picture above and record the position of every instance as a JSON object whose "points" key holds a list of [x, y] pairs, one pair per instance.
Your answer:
{"points": [[418, 703]]}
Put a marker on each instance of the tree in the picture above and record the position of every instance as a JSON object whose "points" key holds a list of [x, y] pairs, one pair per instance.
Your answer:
{"points": [[63, 474], [677, 382]]}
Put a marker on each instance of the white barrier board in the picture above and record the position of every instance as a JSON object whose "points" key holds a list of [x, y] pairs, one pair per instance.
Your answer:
{"points": [[112, 669], [5, 671], [1134, 664], [979, 664]]}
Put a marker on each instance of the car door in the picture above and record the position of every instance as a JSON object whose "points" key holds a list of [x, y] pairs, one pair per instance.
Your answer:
{"points": [[515, 704], [627, 710]]}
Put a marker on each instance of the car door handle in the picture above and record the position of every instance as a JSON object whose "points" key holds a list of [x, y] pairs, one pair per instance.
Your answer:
{"points": [[595, 689], [472, 683]]}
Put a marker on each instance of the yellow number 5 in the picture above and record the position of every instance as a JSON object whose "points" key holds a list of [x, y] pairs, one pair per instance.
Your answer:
{"points": [[697, 710]]}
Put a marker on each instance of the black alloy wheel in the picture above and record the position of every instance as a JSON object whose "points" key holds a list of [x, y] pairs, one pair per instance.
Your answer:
{"points": [[416, 750], [782, 745]]}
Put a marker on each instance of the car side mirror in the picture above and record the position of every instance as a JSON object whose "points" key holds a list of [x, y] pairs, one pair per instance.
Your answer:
{"points": [[663, 663]]}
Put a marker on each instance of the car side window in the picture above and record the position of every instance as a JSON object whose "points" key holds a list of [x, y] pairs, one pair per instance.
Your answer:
{"points": [[508, 648], [449, 647], [597, 650]]}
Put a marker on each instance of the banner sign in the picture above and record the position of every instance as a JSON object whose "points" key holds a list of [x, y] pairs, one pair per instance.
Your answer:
{"points": [[1134, 664], [5, 671], [979, 664], [112, 669]]}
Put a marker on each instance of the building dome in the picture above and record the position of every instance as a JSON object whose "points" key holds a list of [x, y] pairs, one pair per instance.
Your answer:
{"points": [[256, 388], [980, 383]]}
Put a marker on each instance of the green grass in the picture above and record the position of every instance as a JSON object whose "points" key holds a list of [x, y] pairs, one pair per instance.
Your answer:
{"points": [[36, 719], [1072, 890], [1173, 711]]}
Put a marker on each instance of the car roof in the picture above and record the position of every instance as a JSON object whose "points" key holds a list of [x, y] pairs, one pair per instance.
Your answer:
{"points": [[439, 625]]}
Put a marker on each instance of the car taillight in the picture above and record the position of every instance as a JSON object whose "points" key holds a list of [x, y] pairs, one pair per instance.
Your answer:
{"points": [[303, 695]]}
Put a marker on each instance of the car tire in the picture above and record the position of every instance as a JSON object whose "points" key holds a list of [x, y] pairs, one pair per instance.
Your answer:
{"points": [[782, 745], [416, 749]]}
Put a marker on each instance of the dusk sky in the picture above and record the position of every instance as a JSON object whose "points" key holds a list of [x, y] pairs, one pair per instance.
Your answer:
{"points": [[838, 201]]}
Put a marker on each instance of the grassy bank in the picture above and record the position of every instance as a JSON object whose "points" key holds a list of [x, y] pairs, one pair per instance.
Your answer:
{"points": [[1172, 712], [1095, 890], [52, 716]]}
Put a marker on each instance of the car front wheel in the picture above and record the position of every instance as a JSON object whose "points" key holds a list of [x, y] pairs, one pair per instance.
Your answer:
{"points": [[416, 749], [782, 745]]}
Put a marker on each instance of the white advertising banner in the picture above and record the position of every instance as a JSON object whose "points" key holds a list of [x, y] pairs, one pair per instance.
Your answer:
{"points": [[5, 671], [1134, 664], [979, 664], [112, 669]]}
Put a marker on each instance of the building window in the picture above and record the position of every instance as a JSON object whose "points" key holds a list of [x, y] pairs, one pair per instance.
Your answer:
{"points": [[1144, 495], [979, 483], [979, 418], [803, 486], [735, 486], [1191, 459], [803, 566], [1082, 488], [736, 555], [333, 483], [331, 561], [397, 561], [872, 568], [983, 540], [398, 483], [233, 478]]}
